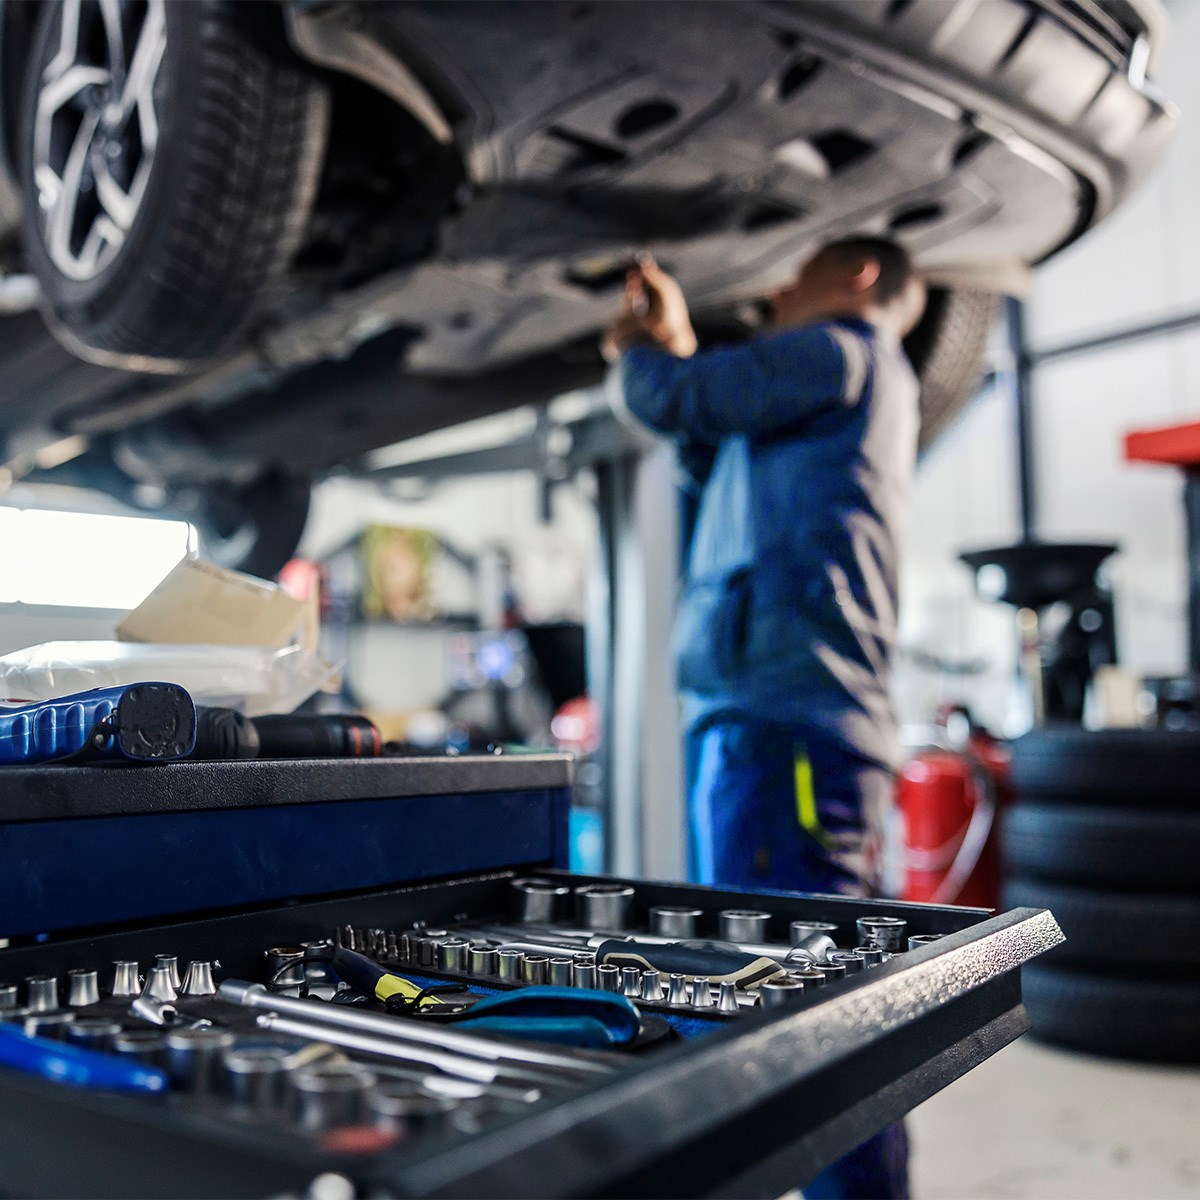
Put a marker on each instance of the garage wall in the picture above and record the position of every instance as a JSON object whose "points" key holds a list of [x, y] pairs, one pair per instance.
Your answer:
{"points": [[1141, 265]]}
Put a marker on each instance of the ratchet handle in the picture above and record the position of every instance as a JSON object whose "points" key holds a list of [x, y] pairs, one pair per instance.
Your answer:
{"points": [[707, 960]]}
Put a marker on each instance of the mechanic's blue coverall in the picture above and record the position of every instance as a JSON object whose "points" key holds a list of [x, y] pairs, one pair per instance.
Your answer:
{"points": [[788, 617]]}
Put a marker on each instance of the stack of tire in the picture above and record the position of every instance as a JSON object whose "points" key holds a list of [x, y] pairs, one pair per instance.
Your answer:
{"points": [[1106, 834]]}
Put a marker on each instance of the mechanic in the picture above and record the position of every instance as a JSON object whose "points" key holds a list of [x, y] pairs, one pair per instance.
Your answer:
{"points": [[788, 615]]}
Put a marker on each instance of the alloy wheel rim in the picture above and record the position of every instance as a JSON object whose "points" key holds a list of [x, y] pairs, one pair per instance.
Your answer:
{"points": [[96, 129]]}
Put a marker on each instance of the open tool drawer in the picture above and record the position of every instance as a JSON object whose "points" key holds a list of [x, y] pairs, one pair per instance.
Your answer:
{"points": [[751, 1104]]}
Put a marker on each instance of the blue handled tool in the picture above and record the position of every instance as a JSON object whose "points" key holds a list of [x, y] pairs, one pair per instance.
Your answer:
{"points": [[140, 722], [75, 1065], [590, 1020]]}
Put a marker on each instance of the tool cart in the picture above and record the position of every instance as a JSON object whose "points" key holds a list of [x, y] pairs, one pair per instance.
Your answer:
{"points": [[375, 977]]}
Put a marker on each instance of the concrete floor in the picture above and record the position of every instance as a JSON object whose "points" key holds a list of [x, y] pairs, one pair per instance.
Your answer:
{"points": [[1034, 1121]]}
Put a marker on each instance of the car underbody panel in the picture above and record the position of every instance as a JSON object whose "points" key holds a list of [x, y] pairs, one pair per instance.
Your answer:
{"points": [[727, 138]]}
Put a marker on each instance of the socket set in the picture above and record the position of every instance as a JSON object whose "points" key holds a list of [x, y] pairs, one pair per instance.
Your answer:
{"points": [[409, 995]]}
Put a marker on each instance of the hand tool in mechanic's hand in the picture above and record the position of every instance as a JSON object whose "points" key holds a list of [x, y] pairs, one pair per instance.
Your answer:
{"points": [[539, 900], [76, 1065], [42, 992], [141, 722], [742, 925], [677, 922], [604, 905], [885, 932], [254, 995], [83, 988]]}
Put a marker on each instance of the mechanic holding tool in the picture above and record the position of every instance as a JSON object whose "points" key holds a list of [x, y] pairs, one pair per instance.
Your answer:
{"points": [[788, 615]]}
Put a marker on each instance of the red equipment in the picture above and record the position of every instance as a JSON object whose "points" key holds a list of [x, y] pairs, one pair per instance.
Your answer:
{"points": [[951, 798]]}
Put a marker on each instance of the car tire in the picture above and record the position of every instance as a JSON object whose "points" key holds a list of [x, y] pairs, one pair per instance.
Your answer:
{"points": [[946, 350], [207, 219], [1150, 931], [1146, 768], [1148, 1020], [1103, 847], [254, 529]]}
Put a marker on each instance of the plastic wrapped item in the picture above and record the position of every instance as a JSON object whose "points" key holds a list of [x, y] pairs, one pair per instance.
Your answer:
{"points": [[252, 679]]}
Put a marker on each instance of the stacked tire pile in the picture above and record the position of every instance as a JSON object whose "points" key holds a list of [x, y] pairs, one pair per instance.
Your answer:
{"points": [[1106, 834]]}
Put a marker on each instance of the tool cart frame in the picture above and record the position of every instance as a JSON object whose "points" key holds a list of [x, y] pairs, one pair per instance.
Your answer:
{"points": [[756, 1107]]}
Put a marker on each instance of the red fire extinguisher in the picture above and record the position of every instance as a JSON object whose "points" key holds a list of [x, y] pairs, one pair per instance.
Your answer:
{"points": [[950, 796]]}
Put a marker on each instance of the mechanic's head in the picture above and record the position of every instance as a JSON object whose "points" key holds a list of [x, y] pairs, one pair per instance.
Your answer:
{"points": [[867, 277]]}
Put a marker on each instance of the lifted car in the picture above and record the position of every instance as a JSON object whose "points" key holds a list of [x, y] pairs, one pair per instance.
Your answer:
{"points": [[244, 243]]}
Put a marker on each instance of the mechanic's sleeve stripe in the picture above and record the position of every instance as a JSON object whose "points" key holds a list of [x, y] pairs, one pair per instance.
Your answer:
{"points": [[806, 797]]}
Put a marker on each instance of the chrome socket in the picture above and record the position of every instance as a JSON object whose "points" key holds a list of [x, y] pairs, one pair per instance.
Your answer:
{"points": [[848, 960], [583, 975], [200, 978], [631, 982], [83, 988], [652, 987], [96, 1033], [192, 1057], [284, 966], [172, 965], [408, 1111], [482, 960], [159, 986], [533, 970], [126, 980], [41, 1023], [42, 992], [742, 925], [677, 996], [145, 1044], [609, 978], [809, 977], [800, 931], [675, 920], [453, 955], [871, 956], [923, 939], [727, 1001], [329, 1095], [604, 906], [833, 972], [780, 993], [885, 932], [8, 995], [559, 972], [254, 1075], [701, 993], [510, 967], [540, 901]]}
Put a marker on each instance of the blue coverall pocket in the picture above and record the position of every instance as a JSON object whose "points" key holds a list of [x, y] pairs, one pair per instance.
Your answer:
{"points": [[711, 634]]}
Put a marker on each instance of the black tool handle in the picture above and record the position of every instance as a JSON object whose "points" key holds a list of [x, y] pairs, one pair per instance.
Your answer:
{"points": [[312, 735], [706, 960]]}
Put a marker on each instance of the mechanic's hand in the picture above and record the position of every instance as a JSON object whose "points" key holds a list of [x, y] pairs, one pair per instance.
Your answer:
{"points": [[655, 311]]}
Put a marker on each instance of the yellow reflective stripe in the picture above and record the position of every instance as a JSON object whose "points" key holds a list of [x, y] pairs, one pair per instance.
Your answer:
{"points": [[395, 985], [806, 797]]}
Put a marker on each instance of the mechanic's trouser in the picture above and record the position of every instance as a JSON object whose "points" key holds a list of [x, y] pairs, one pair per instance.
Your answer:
{"points": [[776, 807]]}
